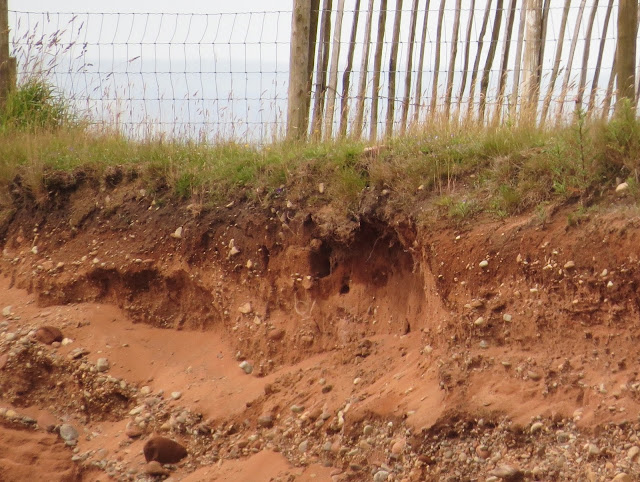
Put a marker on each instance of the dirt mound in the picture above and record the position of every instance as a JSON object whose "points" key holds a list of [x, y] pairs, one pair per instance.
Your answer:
{"points": [[360, 346]]}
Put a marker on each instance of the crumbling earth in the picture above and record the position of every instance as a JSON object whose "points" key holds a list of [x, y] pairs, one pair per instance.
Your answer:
{"points": [[275, 338]]}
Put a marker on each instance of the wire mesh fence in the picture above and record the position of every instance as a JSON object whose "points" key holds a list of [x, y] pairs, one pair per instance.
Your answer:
{"points": [[200, 76], [215, 76]]}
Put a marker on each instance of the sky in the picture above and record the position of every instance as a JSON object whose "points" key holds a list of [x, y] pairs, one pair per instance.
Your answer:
{"points": [[148, 6]]}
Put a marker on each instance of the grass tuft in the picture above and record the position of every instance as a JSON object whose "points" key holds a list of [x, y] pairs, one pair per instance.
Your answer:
{"points": [[35, 106]]}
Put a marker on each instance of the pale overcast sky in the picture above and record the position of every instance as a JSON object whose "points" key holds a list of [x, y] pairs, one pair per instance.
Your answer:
{"points": [[149, 6]]}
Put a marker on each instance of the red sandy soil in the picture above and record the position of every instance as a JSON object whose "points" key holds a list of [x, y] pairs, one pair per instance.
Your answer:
{"points": [[377, 345]]}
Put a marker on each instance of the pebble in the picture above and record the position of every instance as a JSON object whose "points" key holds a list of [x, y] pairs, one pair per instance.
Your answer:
{"points": [[398, 447], [77, 353], [622, 187], [177, 234], [276, 335], [47, 422], [622, 477], [535, 376], [245, 308], [380, 476], [68, 433], [163, 450], [133, 430], [102, 365], [483, 452], [6, 311], [484, 263], [536, 427], [367, 430], [155, 468], [246, 367], [297, 408], [479, 321], [176, 395], [569, 265], [506, 317], [508, 473], [633, 452], [265, 421]]}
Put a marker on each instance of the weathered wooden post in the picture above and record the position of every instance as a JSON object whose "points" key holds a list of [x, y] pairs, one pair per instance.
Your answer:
{"points": [[7, 63], [626, 50], [393, 60], [377, 63], [531, 62], [333, 72], [297, 110]]}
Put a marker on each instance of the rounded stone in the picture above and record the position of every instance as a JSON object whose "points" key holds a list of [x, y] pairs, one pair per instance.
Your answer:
{"points": [[246, 367], [380, 476], [102, 364], [68, 433], [155, 468], [163, 450], [48, 334]]}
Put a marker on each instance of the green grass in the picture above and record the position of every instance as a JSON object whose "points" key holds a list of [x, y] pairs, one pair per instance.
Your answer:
{"points": [[461, 171]]}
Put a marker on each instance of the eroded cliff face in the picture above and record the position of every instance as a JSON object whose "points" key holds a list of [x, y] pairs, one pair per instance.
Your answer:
{"points": [[370, 343]]}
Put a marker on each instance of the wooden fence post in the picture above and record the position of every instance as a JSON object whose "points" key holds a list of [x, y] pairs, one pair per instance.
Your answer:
{"points": [[297, 113], [313, 40], [7, 63], [393, 61], [626, 50], [531, 63], [377, 63], [333, 73]]}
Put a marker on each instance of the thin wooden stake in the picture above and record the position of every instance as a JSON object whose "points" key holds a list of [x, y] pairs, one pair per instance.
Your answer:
{"points": [[572, 51], [515, 92], [465, 63], [321, 70], [484, 83], [333, 72], [452, 58], [596, 74], [505, 61], [7, 63], [423, 41], [359, 120], [585, 57], [344, 101], [531, 62], [436, 66], [377, 63], [313, 37], [476, 62], [407, 78], [627, 34], [556, 63], [391, 98]]}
